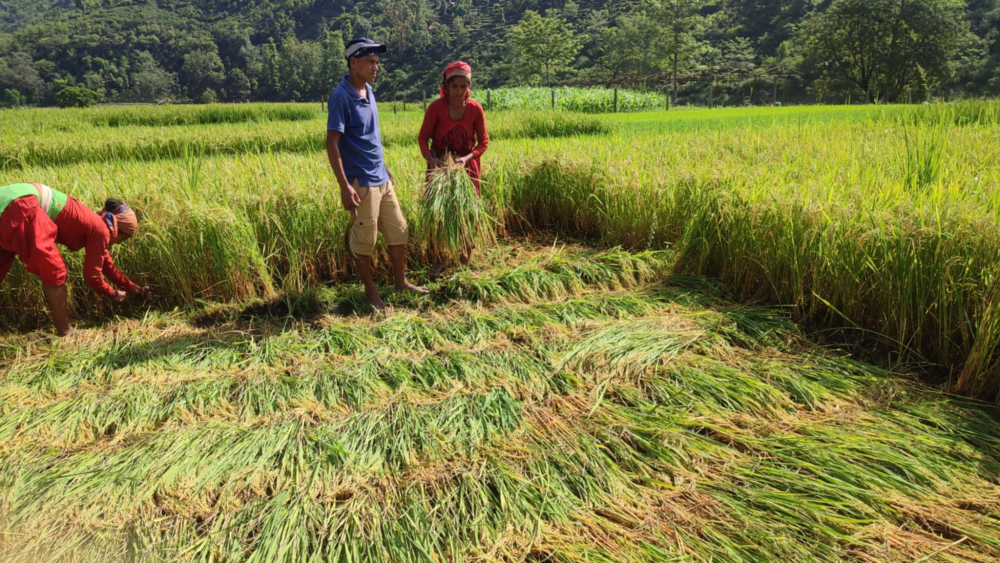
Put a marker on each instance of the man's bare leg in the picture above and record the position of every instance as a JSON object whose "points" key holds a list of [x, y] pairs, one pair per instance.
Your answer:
{"points": [[397, 255], [59, 306], [371, 292]]}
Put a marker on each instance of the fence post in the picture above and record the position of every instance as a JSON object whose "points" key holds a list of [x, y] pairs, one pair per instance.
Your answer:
{"points": [[553, 98], [322, 107], [616, 99], [404, 104], [425, 99], [489, 102]]}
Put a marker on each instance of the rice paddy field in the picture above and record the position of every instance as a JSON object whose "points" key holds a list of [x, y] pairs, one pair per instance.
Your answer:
{"points": [[747, 335]]}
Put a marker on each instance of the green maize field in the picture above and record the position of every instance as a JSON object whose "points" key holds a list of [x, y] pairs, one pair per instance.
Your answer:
{"points": [[745, 335], [581, 100]]}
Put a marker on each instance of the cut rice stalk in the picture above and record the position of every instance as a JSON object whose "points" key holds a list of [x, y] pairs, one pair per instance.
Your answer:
{"points": [[454, 217]]}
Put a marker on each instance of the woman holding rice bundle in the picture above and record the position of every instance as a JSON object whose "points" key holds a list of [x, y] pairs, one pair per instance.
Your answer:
{"points": [[34, 217], [454, 126]]}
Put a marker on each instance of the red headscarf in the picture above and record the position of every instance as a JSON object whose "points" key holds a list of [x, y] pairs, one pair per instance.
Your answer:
{"points": [[457, 68]]}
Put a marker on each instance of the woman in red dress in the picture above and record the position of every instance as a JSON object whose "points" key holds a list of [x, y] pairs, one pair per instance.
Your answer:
{"points": [[34, 217], [455, 126]]}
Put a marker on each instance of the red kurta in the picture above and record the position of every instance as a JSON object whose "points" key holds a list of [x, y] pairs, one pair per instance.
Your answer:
{"points": [[26, 231], [79, 227], [457, 138]]}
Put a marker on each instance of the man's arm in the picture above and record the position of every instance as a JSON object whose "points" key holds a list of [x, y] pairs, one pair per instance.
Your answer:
{"points": [[348, 196]]}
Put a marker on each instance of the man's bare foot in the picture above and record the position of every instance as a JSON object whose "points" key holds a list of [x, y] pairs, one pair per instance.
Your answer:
{"points": [[374, 299], [407, 286]]}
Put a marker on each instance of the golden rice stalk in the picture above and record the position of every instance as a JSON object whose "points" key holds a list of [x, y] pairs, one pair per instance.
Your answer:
{"points": [[453, 217]]}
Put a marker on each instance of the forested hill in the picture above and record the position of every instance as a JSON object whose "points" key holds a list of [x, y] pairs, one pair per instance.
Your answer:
{"points": [[237, 50]]}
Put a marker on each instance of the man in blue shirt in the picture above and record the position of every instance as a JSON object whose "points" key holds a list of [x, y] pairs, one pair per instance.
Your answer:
{"points": [[354, 147]]}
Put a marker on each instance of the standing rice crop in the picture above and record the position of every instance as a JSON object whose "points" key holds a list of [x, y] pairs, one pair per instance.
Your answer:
{"points": [[453, 216]]}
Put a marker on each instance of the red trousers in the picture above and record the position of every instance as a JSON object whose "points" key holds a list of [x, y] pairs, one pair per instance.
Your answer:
{"points": [[27, 232]]}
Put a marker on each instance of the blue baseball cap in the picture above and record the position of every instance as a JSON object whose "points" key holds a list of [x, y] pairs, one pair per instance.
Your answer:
{"points": [[362, 47]]}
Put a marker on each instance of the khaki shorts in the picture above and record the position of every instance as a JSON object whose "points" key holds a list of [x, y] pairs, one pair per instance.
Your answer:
{"points": [[379, 212]]}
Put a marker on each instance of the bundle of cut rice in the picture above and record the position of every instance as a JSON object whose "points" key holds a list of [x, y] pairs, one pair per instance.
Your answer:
{"points": [[453, 216]]}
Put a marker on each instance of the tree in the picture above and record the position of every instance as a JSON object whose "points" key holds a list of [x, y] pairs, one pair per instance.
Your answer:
{"points": [[301, 71], [269, 84], [885, 47], [11, 99], [203, 70], [400, 15], [17, 73], [544, 45], [683, 23], [150, 82], [85, 5], [237, 86], [334, 65], [626, 48], [76, 97], [208, 96]]}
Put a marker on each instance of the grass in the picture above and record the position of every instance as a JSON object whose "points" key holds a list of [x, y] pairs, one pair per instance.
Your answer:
{"points": [[628, 416], [202, 115], [31, 138], [646, 392], [888, 237], [581, 100]]}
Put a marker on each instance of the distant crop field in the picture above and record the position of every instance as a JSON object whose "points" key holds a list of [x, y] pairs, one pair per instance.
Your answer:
{"points": [[580, 100], [648, 365]]}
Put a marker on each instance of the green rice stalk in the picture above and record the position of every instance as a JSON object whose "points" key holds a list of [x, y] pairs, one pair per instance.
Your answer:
{"points": [[453, 216]]}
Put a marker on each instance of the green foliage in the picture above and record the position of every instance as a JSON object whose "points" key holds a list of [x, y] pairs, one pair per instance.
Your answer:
{"points": [[77, 97], [11, 98], [885, 48], [544, 45], [203, 73], [285, 50], [18, 74], [582, 100], [150, 82], [238, 87], [682, 25]]}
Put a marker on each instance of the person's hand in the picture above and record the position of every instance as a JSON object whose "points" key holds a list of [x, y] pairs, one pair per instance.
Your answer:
{"points": [[119, 296], [433, 161], [140, 290], [463, 159], [349, 198]]}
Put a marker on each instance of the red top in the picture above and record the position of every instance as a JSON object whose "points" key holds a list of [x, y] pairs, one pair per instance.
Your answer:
{"points": [[26, 231], [458, 138], [79, 227]]}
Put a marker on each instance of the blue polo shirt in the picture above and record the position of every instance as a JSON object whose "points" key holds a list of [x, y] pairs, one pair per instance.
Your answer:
{"points": [[361, 143]]}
